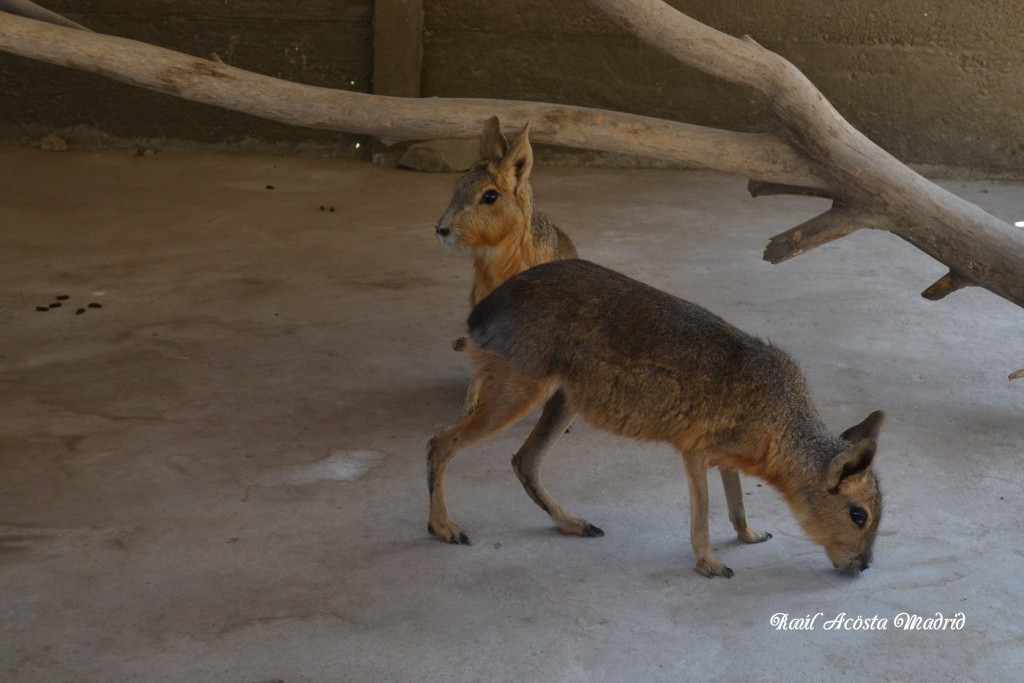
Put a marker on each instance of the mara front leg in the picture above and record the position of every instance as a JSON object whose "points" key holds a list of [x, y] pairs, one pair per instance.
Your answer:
{"points": [[737, 512], [473, 391], [700, 536], [472, 397]]}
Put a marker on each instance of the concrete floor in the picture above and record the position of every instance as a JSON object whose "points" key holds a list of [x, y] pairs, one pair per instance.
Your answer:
{"points": [[219, 474]]}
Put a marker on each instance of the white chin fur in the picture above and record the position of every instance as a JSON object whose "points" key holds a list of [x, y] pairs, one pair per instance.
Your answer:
{"points": [[447, 241]]}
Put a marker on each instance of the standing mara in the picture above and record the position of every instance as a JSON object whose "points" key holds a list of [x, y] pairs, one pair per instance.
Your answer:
{"points": [[638, 362]]}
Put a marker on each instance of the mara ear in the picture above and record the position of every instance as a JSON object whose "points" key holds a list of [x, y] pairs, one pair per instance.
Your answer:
{"points": [[854, 460], [519, 158], [493, 144], [863, 440], [868, 429]]}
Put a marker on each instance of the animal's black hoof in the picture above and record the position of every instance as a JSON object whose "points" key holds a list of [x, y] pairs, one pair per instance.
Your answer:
{"points": [[591, 531]]}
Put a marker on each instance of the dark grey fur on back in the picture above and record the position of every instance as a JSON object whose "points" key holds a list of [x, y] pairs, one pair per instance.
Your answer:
{"points": [[534, 319], [569, 318]]}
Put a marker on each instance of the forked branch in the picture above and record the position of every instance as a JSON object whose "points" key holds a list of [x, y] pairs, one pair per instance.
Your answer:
{"points": [[978, 248]]}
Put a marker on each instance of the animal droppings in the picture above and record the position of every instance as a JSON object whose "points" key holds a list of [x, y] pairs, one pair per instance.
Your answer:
{"points": [[95, 305], [42, 308]]}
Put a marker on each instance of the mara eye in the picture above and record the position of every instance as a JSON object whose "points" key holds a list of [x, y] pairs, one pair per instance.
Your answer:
{"points": [[859, 516], [489, 197]]}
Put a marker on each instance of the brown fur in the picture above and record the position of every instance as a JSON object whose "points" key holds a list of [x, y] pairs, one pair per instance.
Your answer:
{"points": [[506, 236], [641, 363]]}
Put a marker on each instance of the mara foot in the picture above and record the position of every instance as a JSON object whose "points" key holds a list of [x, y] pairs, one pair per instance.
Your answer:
{"points": [[579, 527], [711, 568], [751, 536], [449, 533]]}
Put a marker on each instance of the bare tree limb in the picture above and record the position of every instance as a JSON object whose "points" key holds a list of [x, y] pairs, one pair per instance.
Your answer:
{"points": [[395, 118], [978, 248], [945, 285], [839, 221], [758, 188]]}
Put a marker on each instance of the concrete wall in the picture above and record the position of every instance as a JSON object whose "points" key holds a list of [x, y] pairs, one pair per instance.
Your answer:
{"points": [[933, 81], [937, 82], [319, 42]]}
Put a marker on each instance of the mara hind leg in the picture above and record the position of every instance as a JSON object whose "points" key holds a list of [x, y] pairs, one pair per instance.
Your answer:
{"points": [[527, 461], [506, 397], [737, 512]]}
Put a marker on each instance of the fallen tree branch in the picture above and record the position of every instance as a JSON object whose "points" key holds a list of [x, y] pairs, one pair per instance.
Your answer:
{"points": [[978, 248], [395, 118]]}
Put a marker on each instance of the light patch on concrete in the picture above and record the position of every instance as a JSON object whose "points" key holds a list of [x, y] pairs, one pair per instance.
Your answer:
{"points": [[339, 465]]}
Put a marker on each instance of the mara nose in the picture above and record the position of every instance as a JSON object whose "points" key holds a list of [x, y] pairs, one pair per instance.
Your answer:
{"points": [[442, 230], [854, 567]]}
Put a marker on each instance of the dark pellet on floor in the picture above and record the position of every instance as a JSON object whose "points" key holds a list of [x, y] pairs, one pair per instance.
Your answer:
{"points": [[63, 297], [95, 305], [80, 311], [55, 304], [42, 308]]}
